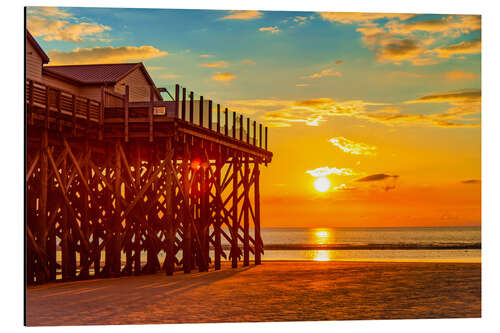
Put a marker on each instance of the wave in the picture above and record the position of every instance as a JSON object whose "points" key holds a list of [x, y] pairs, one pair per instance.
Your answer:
{"points": [[357, 246], [397, 246]]}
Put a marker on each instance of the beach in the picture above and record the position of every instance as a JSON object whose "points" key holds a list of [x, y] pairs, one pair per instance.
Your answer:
{"points": [[273, 291]]}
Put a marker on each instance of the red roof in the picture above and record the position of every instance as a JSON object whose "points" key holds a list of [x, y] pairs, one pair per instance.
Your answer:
{"points": [[93, 74], [36, 46]]}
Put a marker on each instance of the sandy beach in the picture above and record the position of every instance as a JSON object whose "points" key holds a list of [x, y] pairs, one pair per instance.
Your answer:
{"points": [[274, 291]]}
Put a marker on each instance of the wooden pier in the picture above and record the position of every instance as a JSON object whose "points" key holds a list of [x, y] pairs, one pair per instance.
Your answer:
{"points": [[111, 181]]}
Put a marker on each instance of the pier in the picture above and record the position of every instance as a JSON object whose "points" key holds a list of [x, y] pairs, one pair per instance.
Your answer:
{"points": [[112, 178]]}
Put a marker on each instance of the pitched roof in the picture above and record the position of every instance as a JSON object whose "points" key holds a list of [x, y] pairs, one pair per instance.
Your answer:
{"points": [[36, 46], [93, 74], [98, 73]]}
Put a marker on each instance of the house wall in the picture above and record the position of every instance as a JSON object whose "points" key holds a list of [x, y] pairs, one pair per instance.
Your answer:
{"points": [[139, 88], [33, 63], [59, 84]]}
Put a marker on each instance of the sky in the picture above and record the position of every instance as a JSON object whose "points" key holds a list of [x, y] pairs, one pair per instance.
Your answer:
{"points": [[384, 109]]}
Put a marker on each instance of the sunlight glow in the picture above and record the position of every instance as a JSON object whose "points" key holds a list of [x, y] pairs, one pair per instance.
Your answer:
{"points": [[322, 184]]}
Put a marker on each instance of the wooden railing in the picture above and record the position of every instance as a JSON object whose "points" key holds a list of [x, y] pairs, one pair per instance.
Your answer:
{"points": [[60, 101], [116, 107]]}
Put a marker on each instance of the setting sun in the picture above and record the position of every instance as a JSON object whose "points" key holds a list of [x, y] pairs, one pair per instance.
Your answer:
{"points": [[322, 184]]}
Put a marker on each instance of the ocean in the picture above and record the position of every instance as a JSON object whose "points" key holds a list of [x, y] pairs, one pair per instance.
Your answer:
{"points": [[428, 244]]}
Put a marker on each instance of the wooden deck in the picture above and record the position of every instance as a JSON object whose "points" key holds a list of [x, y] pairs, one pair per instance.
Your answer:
{"points": [[114, 117]]}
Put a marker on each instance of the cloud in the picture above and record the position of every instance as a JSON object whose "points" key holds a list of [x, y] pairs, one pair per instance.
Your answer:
{"points": [[351, 147], [215, 64], [326, 171], [458, 96], [272, 30], [242, 15], [50, 23], [103, 55], [363, 18], [224, 77], [471, 181], [312, 112], [466, 47], [248, 62], [458, 75], [206, 56], [323, 73], [300, 19], [339, 62], [453, 26], [376, 177], [302, 85], [397, 41]]}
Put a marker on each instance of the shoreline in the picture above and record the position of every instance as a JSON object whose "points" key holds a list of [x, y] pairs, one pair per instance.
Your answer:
{"points": [[274, 291]]}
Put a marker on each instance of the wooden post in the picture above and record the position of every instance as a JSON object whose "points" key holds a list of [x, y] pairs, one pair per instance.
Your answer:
{"points": [[127, 95], [234, 125], [204, 240], [65, 251], [234, 246], [191, 107], [248, 130], [183, 103], [241, 127], [169, 202], [44, 184], [47, 107], [218, 118], [246, 223], [226, 120], [266, 137], [201, 111], [217, 238], [137, 234], [176, 101], [117, 218], [186, 224], [30, 99], [257, 237], [84, 253], [101, 115], [260, 135], [150, 114], [210, 114], [73, 113], [58, 108], [254, 132]]}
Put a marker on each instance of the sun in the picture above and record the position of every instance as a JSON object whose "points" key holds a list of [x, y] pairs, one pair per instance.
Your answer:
{"points": [[322, 184]]}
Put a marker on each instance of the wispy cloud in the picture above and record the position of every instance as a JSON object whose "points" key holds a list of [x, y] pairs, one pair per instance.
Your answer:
{"points": [[273, 30], [216, 64], [323, 73], [224, 77], [206, 56], [326, 171], [363, 18], [376, 177], [459, 75], [466, 47], [242, 15], [471, 181], [302, 84], [248, 62], [103, 55], [352, 147]]}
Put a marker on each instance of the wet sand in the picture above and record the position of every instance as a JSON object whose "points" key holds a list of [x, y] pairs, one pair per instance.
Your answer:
{"points": [[274, 291]]}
